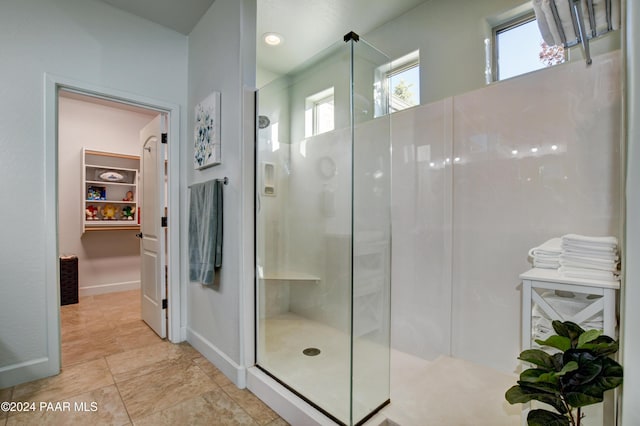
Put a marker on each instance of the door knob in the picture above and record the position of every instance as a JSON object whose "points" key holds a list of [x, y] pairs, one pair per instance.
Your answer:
{"points": [[139, 235]]}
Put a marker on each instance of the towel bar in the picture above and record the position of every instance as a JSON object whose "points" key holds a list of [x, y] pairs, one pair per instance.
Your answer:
{"points": [[224, 180]]}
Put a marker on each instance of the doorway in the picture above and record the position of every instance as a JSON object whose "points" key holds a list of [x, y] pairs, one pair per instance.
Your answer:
{"points": [[54, 86], [101, 138]]}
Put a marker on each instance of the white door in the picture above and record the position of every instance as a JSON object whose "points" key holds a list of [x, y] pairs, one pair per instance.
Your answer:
{"points": [[152, 271]]}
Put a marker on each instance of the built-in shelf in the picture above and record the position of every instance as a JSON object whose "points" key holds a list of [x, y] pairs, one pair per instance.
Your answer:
{"points": [[110, 185], [288, 276]]}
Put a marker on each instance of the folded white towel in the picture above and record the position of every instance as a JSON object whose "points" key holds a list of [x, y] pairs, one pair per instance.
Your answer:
{"points": [[589, 266], [611, 255], [589, 274], [583, 240], [545, 264], [578, 257], [550, 248]]}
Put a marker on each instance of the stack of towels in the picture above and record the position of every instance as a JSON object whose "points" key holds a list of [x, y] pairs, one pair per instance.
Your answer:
{"points": [[593, 258], [547, 255], [579, 256]]}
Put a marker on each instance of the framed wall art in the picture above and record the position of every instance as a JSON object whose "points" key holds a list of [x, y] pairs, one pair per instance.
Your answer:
{"points": [[206, 133]]}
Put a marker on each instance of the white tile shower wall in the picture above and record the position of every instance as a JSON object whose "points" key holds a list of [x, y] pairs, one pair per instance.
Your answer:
{"points": [[421, 230], [319, 235], [565, 125], [530, 158]]}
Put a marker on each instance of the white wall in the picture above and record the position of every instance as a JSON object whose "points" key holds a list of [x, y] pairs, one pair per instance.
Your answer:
{"points": [[631, 324], [81, 40], [221, 59], [107, 261]]}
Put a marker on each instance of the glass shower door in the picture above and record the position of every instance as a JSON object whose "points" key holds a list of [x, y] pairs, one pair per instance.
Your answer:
{"points": [[307, 233]]}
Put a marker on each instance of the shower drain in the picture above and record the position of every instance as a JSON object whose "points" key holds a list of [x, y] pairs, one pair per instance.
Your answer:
{"points": [[311, 351]]}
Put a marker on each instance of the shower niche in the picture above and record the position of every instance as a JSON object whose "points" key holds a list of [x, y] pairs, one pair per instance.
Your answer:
{"points": [[323, 229]]}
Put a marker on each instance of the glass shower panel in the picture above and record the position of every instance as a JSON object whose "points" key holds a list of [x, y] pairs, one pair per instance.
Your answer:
{"points": [[307, 233], [371, 230]]}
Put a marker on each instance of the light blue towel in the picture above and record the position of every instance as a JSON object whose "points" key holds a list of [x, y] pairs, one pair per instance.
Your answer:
{"points": [[205, 231]]}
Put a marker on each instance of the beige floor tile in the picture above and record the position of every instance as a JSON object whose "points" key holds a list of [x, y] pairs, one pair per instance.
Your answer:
{"points": [[278, 422], [5, 396], [207, 409], [257, 409], [145, 359], [157, 381], [99, 407], [213, 372], [153, 392], [229, 412], [73, 380], [87, 349], [135, 334]]}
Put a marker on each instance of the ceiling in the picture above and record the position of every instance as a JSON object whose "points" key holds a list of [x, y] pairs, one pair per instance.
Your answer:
{"points": [[307, 26]]}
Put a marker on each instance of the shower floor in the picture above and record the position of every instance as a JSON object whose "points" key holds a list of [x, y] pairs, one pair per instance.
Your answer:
{"points": [[445, 391]]}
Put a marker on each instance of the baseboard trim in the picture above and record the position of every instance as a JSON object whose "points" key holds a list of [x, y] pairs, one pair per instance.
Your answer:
{"points": [[108, 288], [27, 371], [236, 373]]}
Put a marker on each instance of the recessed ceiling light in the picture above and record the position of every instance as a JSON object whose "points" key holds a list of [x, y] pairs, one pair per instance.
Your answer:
{"points": [[272, 39]]}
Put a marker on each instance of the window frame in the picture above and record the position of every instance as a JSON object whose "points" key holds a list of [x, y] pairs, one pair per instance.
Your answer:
{"points": [[312, 102], [501, 28], [398, 66]]}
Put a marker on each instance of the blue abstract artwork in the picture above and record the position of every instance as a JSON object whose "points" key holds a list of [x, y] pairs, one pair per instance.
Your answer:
{"points": [[206, 145]]}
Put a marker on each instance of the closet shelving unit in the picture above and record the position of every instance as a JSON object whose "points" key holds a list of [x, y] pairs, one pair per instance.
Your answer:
{"points": [[101, 172]]}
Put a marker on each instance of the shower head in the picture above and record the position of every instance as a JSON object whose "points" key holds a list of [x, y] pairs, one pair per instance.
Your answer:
{"points": [[263, 121]]}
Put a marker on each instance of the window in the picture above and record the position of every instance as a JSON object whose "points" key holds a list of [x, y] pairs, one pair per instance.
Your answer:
{"points": [[402, 77], [404, 82], [519, 48], [319, 116]]}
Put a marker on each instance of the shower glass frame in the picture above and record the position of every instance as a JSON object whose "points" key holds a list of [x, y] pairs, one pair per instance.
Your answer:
{"points": [[323, 233]]}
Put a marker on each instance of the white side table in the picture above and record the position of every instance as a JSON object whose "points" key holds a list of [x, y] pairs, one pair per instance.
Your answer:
{"points": [[550, 279]]}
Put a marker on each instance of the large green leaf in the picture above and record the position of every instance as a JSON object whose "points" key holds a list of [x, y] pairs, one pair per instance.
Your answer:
{"points": [[588, 336], [539, 358], [589, 367], [568, 329], [579, 399], [602, 346], [521, 394], [536, 375], [609, 378], [546, 418], [555, 341], [569, 367]]}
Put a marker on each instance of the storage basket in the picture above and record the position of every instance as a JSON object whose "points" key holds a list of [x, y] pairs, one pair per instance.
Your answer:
{"points": [[68, 280]]}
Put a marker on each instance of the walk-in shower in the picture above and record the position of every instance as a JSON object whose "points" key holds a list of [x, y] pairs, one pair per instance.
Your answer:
{"points": [[323, 184]]}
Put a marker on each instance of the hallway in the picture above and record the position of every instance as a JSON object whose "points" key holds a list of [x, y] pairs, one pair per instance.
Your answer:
{"points": [[116, 371]]}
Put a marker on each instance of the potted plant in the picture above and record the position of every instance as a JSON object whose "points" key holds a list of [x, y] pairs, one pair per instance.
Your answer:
{"points": [[576, 375]]}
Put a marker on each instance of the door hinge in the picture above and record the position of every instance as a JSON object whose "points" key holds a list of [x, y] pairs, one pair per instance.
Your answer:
{"points": [[164, 303], [164, 138], [163, 221]]}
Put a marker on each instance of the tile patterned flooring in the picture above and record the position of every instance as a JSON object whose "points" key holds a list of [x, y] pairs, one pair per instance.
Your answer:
{"points": [[122, 373]]}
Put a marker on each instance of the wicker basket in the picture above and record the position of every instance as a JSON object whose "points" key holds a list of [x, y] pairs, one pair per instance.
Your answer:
{"points": [[68, 280]]}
